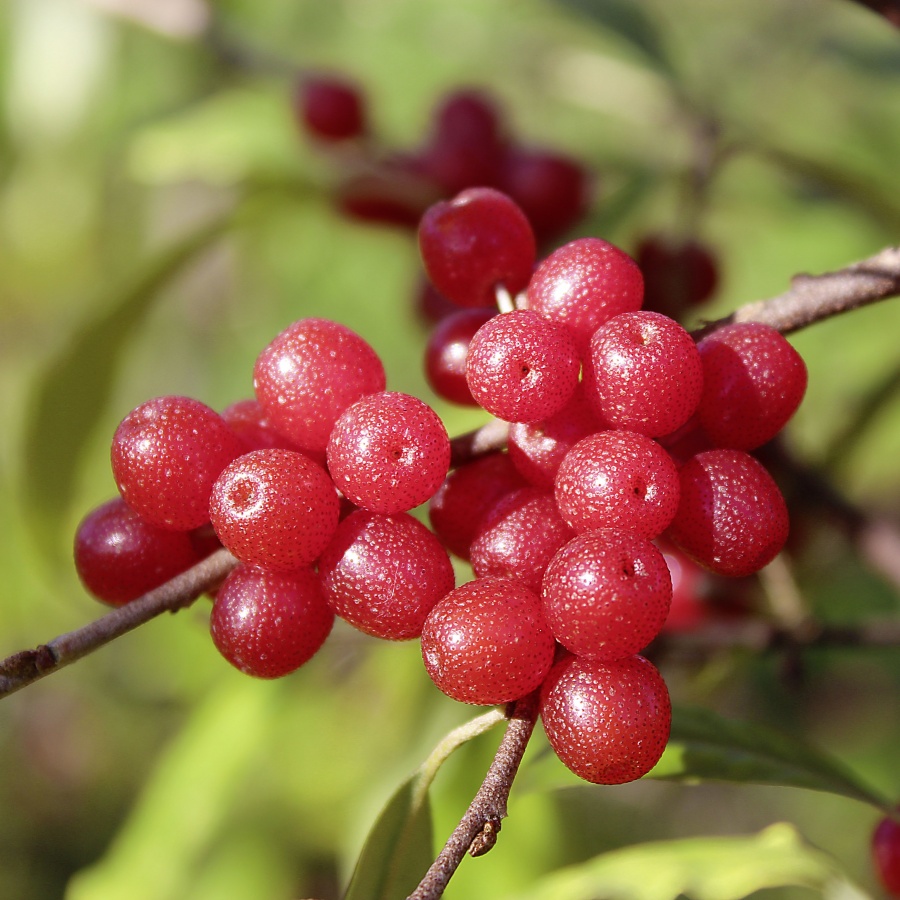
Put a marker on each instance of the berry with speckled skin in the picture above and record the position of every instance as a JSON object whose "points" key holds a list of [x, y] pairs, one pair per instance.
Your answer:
{"points": [[618, 479], [486, 642], [389, 452], [267, 623], [471, 244], [166, 454], [731, 517], [383, 574], [119, 556], [606, 594], [251, 423], [608, 722], [583, 284], [309, 374], [519, 537], [886, 854], [644, 373], [753, 382], [521, 367], [274, 508], [445, 354], [468, 493]]}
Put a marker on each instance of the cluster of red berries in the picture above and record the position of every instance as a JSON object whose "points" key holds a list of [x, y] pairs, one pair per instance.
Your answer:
{"points": [[623, 431]]}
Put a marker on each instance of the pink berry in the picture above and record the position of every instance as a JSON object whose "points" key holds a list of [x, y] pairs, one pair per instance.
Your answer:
{"points": [[330, 108], [309, 374], [486, 642], [753, 382], [268, 624], [583, 284], [383, 574], [606, 594], [618, 479], [389, 452], [166, 454], [521, 367], [274, 508], [608, 722], [886, 854], [474, 243], [644, 373], [445, 354], [731, 517]]}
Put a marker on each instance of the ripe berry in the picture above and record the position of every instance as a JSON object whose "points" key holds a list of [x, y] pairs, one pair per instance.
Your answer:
{"points": [[522, 367], [731, 517], [583, 284], [486, 642], [445, 354], [677, 275], [309, 374], [383, 574], [166, 454], [618, 479], [119, 556], [644, 373], [606, 594], [608, 722], [471, 244], [330, 108], [274, 508], [753, 382], [886, 854], [268, 624], [389, 452], [250, 422]]}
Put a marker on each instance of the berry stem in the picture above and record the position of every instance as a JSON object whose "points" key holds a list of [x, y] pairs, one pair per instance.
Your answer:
{"points": [[477, 830], [23, 668]]}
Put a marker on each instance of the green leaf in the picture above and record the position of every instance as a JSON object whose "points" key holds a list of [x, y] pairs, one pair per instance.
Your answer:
{"points": [[718, 868], [705, 746], [399, 848]]}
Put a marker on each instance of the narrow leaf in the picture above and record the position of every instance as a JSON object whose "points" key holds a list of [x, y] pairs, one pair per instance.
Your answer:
{"points": [[705, 746]]}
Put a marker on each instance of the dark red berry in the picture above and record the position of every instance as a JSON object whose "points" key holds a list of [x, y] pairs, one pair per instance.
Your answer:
{"points": [[886, 854], [677, 274], [445, 354], [330, 108]]}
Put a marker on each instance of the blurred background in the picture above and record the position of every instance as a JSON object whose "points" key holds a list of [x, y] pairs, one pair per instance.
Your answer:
{"points": [[163, 216]]}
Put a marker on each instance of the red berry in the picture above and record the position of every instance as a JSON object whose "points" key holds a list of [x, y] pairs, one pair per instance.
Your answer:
{"points": [[486, 642], [274, 508], [521, 367], [677, 275], [330, 108], [389, 452], [445, 354], [886, 854], [731, 517], [166, 454], [608, 722], [119, 556], [268, 624], [475, 242], [383, 574], [309, 374], [250, 422]]}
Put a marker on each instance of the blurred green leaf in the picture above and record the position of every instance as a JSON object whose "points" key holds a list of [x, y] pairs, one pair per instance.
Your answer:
{"points": [[705, 746], [399, 848], [718, 868]]}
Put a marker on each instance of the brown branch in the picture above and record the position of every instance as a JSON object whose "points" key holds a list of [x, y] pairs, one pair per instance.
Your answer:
{"points": [[477, 830], [23, 668]]}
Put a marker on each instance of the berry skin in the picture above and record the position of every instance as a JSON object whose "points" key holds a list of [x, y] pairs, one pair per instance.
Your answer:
{"points": [[309, 374], [389, 452], [608, 722], [606, 594], [250, 422], [166, 454], [445, 354], [522, 367], [330, 108], [268, 624], [731, 517], [383, 574], [886, 854], [583, 284], [644, 373], [753, 382], [471, 244], [119, 556], [618, 479], [274, 508], [486, 642]]}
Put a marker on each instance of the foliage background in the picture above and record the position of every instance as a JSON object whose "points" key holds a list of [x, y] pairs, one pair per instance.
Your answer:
{"points": [[154, 771]]}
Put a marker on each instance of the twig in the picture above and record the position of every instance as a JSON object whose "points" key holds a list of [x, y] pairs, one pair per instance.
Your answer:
{"points": [[477, 830], [23, 668]]}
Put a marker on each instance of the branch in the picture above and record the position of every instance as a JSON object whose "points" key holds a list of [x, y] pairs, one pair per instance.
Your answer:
{"points": [[477, 830], [23, 668]]}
